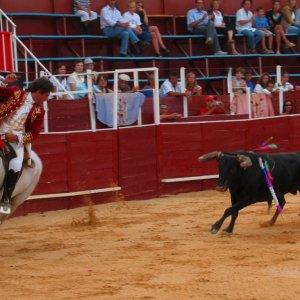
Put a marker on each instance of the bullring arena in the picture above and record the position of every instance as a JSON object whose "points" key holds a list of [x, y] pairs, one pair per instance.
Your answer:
{"points": [[152, 249], [125, 212]]}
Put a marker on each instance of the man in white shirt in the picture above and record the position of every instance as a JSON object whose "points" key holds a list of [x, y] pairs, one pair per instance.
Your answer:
{"points": [[114, 26], [199, 22], [243, 25], [171, 87]]}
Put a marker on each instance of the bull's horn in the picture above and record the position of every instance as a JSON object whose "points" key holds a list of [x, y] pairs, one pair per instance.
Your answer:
{"points": [[209, 156], [245, 161]]}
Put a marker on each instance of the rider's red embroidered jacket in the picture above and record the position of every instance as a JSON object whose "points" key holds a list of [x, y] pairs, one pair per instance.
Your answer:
{"points": [[11, 98]]}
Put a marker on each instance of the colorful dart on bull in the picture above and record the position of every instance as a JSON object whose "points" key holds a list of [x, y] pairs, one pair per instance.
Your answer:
{"points": [[267, 141], [270, 186], [268, 171]]}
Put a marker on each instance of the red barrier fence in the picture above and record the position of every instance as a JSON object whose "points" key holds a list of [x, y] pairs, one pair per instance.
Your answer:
{"points": [[138, 158]]}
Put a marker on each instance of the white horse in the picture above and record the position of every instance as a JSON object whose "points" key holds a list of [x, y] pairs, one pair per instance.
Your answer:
{"points": [[25, 185]]}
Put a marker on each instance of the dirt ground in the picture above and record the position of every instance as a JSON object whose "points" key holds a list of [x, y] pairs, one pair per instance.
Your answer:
{"points": [[154, 249]]}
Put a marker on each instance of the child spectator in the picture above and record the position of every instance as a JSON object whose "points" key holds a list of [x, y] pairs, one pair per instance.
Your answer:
{"points": [[238, 83], [213, 107], [261, 23], [248, 80], [82, 8], [165, 115]]}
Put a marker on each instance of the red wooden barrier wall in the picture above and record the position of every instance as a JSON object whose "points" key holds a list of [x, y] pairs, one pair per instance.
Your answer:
{"points": [[138, 158]]}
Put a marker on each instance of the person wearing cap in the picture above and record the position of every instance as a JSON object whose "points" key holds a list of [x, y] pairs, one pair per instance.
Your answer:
{"points": [[171, 87], [114, 26], [82, 8], [213, 107], [123, 84]]}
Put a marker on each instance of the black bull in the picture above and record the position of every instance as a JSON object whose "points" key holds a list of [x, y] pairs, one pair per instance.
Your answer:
{"points": [[241, 173]]}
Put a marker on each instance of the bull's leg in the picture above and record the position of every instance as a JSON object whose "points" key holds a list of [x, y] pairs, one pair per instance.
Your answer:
{"points": [[230, 227], [273, 220], [228, 212]]}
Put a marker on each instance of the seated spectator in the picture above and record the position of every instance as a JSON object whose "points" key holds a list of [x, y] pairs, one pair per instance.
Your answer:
{"points": [[123, 84], [213, 107], [244, 19], [274, 19], [60, 83], [134, 21], [238, 83], [171, 87], [82, 8], [102, 84], [248, 80], [288, 107], [165, 115], [288, 20], [157, 41], [199, 22], [261, 23], [77, 81], [191, 84], [90, 65], [221, 26], [285, 85], [113, 26]]}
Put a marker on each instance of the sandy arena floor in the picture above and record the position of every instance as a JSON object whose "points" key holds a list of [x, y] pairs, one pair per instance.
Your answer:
{"points": [[155, 249]]}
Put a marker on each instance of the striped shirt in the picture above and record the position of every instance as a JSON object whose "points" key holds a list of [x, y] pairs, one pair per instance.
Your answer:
{"points": [[84, 4]]}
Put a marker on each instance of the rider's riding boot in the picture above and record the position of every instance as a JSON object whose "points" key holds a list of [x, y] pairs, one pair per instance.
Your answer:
{"points": [[10, 183]]}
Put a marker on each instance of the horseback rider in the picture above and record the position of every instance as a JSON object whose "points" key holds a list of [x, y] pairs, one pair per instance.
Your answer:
{"points": [[22, 116]]}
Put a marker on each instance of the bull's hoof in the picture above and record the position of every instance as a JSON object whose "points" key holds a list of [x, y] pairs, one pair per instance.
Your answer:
{"points": [[267, 224], [227, 231], [214, 230]]}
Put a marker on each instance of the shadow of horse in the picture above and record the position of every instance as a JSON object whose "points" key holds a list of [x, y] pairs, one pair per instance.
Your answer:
{"points": [[25, 185]]}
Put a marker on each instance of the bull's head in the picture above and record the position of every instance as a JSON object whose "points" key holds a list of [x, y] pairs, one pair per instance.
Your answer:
{"points": [[229, 164]]}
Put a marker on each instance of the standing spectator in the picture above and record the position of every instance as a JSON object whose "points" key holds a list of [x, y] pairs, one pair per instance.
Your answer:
{"points": [[134, 21], [77, 81], [114, 27], [244, 19], [199, 22], [274, 16], [238, 83], [60, 83], [288, 107], [213, 107], [248, 80], [154, 31], [261, 23], [221, 26], [262, 83], [191, 84], [171, 87], [82, 8], [288, 20]]}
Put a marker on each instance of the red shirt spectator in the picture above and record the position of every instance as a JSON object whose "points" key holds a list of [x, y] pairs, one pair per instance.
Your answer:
{"points": [[213, 107]]}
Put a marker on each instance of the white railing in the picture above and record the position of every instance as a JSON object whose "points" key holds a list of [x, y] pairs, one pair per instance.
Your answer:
{"points": [[90, 93]]}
